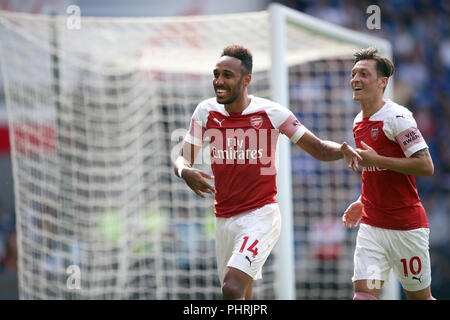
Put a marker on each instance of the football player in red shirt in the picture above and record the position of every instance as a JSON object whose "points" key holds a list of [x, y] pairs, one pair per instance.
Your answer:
{"points": [[394, 230], [243, 132]]}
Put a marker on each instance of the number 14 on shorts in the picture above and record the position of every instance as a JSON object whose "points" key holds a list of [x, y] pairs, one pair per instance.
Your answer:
{"points": [[252, 248]]}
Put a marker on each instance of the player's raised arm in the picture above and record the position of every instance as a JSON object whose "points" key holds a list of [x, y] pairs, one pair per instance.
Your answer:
{"points": [[418, 164], [322, 150], [402, 130], [328, 150], [195, 179]]}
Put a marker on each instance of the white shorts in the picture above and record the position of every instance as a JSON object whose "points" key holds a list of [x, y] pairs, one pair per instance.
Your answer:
{"points": [[245, 241], [378, 250]]}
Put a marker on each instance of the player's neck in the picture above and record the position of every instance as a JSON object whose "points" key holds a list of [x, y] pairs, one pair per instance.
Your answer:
{"points": [[239, 104], [370, 107]]}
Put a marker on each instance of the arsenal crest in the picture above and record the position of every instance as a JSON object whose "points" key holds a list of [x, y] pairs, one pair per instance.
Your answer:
{"points": [[374, 133], [256, 121]]}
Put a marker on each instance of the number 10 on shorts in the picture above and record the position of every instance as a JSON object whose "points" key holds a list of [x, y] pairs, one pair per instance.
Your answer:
{"points": [[252, 248], [414, 264]]}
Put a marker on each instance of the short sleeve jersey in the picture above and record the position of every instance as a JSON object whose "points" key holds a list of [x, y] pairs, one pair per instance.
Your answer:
{"points": [[243, 150], [390, 199]]}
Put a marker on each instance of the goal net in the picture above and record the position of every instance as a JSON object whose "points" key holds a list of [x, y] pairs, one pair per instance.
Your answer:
{"points": [[96, 115]]}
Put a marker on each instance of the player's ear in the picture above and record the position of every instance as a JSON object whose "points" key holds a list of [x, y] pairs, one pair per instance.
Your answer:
{"points": [[247, 79], [382, 82]]}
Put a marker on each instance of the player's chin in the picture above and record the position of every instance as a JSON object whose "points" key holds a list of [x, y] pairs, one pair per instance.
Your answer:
{"points": [[221, 100], [225, 99], [357, 96]]}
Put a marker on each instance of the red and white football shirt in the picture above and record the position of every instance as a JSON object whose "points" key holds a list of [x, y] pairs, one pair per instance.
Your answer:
{"points": [[243, 150], [390, 198]]}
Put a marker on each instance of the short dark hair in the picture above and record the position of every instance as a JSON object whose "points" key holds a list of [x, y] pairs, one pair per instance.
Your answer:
{"points": [[241, 53], [384, 67]]}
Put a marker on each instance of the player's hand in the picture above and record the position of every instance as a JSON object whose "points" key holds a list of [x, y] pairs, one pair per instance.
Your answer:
{"points": [[368, 154], [196, 180], [352, 215], [351, 156]]}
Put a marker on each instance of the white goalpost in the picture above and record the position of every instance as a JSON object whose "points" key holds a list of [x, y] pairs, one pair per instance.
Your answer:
{"points": [[96, 116]]}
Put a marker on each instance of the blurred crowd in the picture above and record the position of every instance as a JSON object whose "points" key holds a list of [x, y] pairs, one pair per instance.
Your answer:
{"points": [[8, 245], [418, 31]]}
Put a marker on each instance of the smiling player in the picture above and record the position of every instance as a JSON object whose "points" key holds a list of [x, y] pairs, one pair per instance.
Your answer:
{"points": [[394, 229], [243, 132]]}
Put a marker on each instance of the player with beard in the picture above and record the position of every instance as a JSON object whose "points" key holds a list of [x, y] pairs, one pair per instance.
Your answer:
{"points": [[243, 132]]}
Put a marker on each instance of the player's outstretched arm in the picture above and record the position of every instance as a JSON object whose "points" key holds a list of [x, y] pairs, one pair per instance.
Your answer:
{"points": [[194, 178], [328, 150], [419, 164]]}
